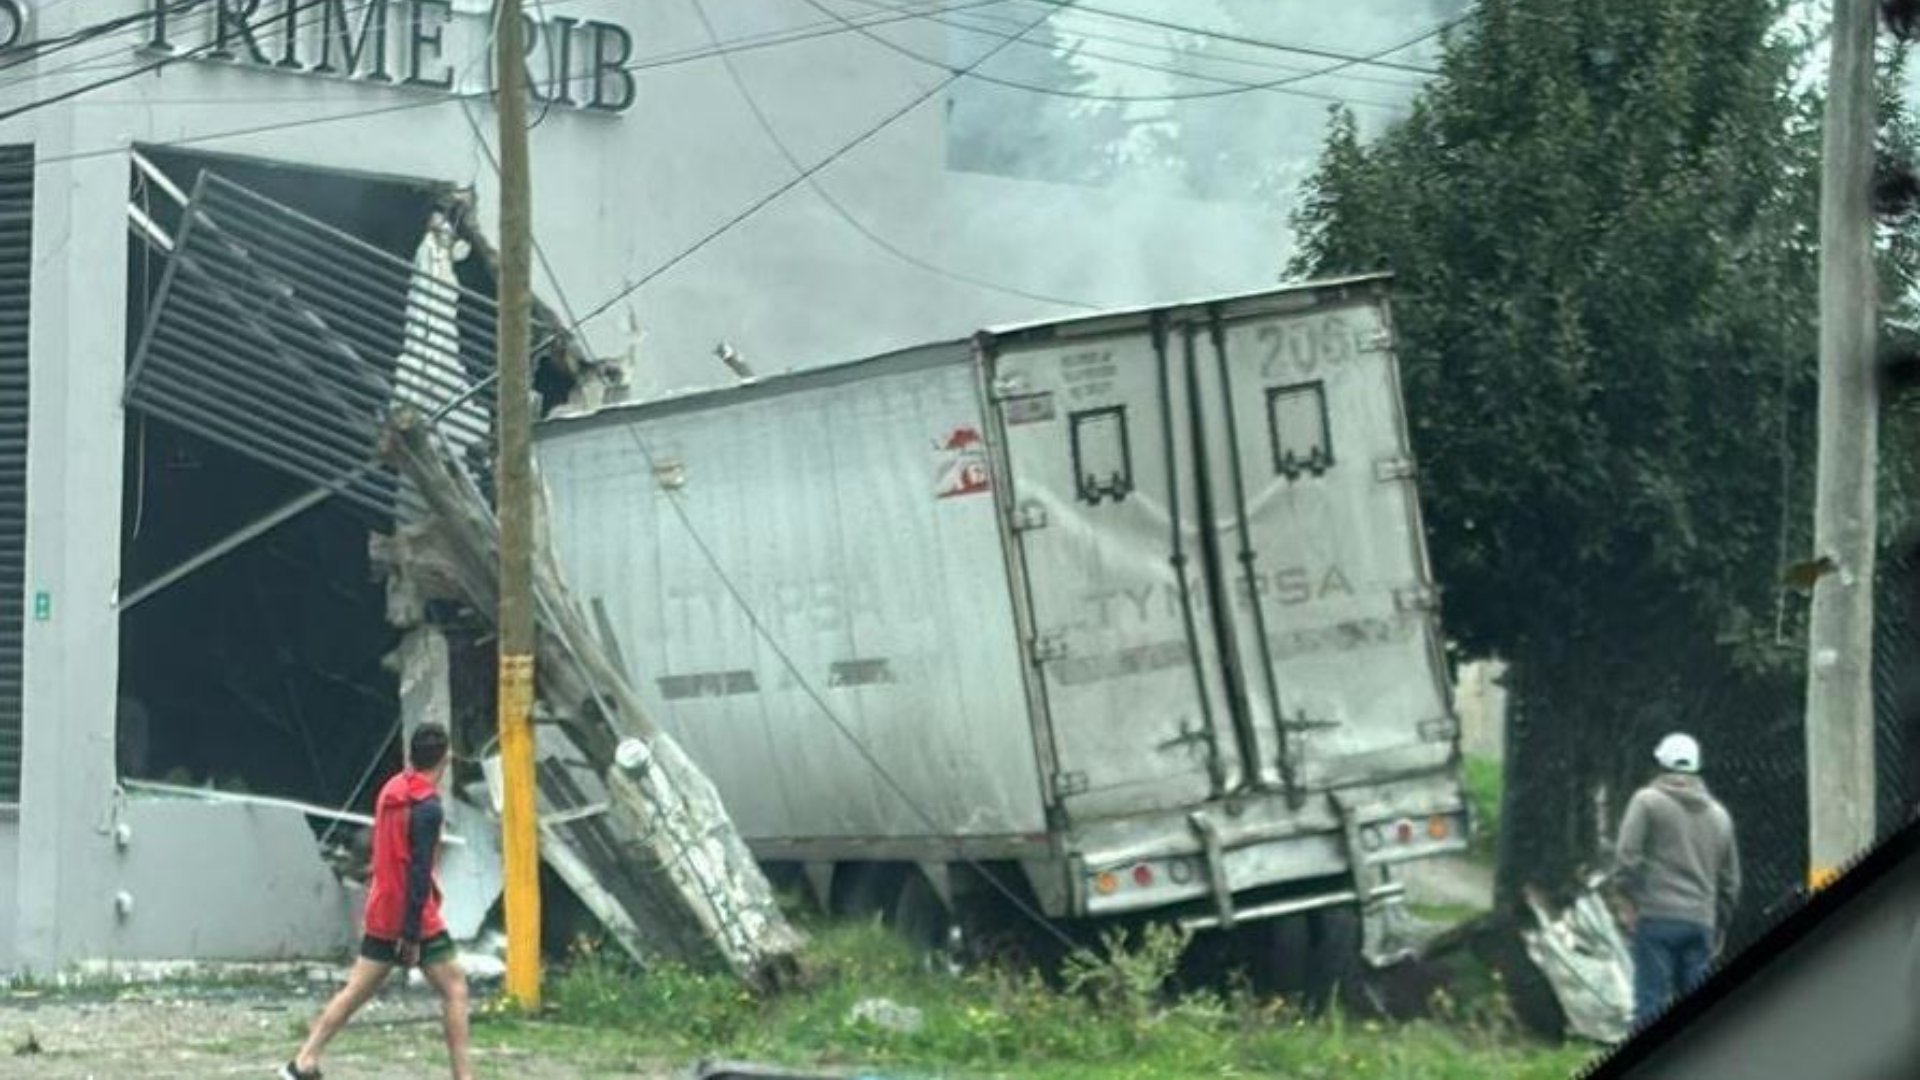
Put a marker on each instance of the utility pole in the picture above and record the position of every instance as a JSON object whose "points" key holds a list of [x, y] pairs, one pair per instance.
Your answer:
{"points": [[513, 479], [1840, 723]]}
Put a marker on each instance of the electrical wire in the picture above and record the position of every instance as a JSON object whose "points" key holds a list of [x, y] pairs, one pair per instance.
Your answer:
{"points": [[827, 711], [768, 39], [145, 68], [773, 136], [846, 732], [1079, 34], [840, 24], [1281, 84], [1239, 86], [1375, 60], [41, 49], [954, 75]]}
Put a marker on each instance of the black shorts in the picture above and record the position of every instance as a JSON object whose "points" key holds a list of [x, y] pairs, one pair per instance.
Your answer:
{"points": [[435, 950]]}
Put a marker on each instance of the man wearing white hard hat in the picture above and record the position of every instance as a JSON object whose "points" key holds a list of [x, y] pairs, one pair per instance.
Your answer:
{"points": [[1678, 866]]}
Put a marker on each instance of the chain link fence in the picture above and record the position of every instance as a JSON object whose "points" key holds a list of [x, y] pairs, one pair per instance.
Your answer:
{"points": [[1569, 775]]}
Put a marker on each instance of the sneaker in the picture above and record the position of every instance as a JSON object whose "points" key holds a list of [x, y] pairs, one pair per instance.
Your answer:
{"points": [[291, 1071]]}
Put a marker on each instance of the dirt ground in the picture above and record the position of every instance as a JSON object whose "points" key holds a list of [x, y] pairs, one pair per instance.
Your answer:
{"points": [[157, 1032]]}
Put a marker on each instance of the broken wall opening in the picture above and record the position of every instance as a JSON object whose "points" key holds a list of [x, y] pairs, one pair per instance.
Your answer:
{"points": [[267, 669], [282, 322]]}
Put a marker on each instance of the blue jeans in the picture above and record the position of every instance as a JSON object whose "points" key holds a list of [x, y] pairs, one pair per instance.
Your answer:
{"points": [[1670, 958]]}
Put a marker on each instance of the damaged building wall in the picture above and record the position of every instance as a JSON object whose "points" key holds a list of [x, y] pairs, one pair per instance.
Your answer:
{"points": [[224, 882], [68, 870]]}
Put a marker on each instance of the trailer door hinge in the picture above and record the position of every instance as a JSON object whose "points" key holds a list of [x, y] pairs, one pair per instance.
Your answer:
{"points": [[1378, 341], [1049, 647], [1028, 516], [1068, 784], [1390, 470], [1007, 386], [1301, 723]]}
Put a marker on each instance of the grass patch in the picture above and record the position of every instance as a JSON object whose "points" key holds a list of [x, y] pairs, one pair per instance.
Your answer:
{"points": [[1484, 781], [1445, 914], [1113, 1021]]}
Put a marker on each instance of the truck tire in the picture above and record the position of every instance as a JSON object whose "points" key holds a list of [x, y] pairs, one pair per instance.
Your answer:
{"points": [[1279, 953], [921, 917], [1334, 959], [865, 891]]}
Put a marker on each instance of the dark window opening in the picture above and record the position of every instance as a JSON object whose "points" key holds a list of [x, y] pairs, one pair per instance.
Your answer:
{"points": [[16, 271], [1298, 426], [1102, 455]]}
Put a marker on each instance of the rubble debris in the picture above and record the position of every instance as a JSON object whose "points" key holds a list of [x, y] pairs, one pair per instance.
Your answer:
{"points": [[657, 858], [888, 1015], [1588, 964]]}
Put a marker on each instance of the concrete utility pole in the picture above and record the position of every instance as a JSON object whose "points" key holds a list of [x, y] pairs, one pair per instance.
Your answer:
{"points": [[513, 479], [1840, 727]]}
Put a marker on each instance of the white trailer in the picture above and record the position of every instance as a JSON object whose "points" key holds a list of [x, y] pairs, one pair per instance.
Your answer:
{"points": [[1132, 610]]}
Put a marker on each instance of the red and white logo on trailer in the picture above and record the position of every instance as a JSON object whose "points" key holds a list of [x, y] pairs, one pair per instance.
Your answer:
{"points": [[962, 464]]}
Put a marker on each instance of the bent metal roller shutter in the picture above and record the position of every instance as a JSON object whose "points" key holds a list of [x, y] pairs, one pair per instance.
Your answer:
{"points": [[16, 270], [291, 342]]}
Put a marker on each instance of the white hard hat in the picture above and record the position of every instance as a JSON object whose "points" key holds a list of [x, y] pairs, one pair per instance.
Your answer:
{"points": [[1678, 752]]}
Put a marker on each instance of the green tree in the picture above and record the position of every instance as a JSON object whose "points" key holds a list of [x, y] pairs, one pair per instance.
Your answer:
{"points": [[1603, 220]]}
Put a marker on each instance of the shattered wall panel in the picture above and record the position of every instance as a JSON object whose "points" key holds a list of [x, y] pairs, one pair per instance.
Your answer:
{"points": [[286, 340], [227, 882]]}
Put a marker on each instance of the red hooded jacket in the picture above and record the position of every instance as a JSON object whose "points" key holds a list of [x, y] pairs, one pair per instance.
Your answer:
{"points": [[403, 903]]}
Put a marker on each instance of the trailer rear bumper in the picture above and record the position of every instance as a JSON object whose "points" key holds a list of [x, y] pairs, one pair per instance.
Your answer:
{"points": [[1390, 892], [1233, 856]]}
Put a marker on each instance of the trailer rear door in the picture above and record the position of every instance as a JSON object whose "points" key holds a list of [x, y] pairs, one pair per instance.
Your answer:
{"points": [[1097, 437], [1317, 512]]}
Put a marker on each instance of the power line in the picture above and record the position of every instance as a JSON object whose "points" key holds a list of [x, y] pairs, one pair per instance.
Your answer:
{"points": [[765, 39], [826, 709], [37, 50], [773, 136], [840, 25], [1078, 34], [886, 122], [93, 62], [1236, 88], [1039, 918], [634, 286], [134, 73], [1375, 60]]}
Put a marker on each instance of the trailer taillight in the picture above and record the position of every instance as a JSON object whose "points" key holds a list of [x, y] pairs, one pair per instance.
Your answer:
{"points": [[1106, 884], [1404, 832], [1143, 875], [1438, 827]]}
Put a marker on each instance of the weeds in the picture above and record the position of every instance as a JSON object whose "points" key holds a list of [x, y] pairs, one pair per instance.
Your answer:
{"points": [[1124, 981], [1483, 781], [1114, 1015]]}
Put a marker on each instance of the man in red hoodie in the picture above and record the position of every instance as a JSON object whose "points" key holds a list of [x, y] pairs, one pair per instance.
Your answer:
{"points": [[403, 923]]}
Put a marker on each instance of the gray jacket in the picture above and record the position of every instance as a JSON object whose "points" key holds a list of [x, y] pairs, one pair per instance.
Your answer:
{"points": [[1676, 857]]}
